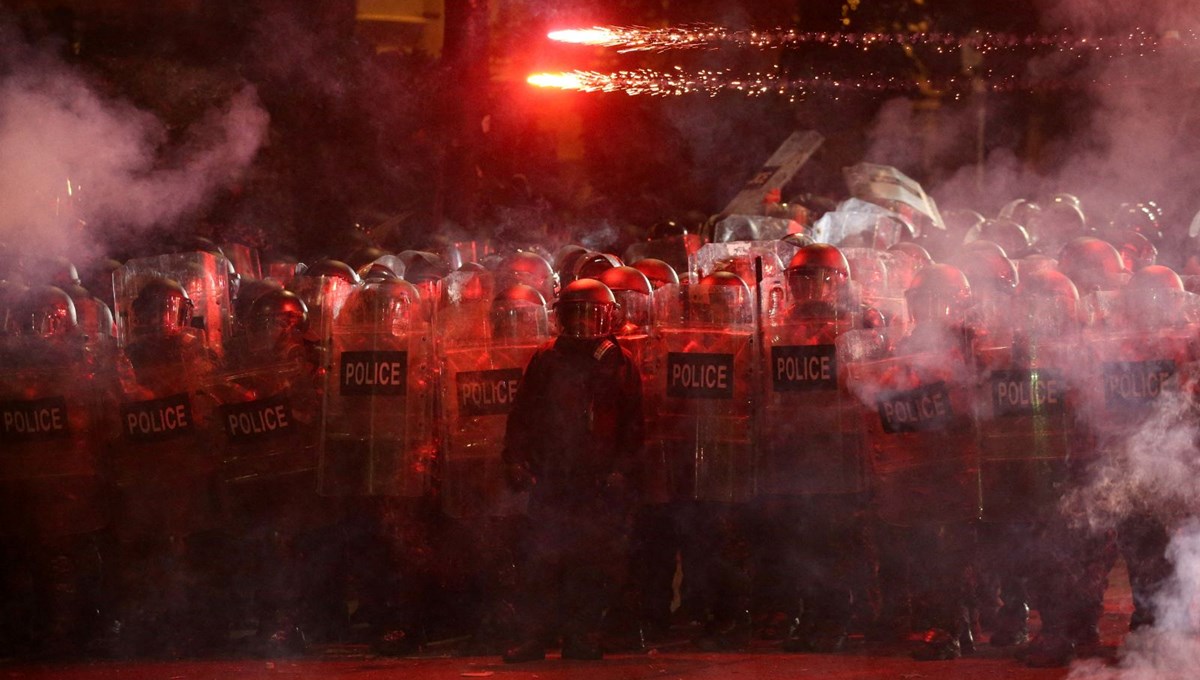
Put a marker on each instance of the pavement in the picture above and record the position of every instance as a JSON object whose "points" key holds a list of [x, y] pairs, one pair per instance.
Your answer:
{"points": [[679, 661]]}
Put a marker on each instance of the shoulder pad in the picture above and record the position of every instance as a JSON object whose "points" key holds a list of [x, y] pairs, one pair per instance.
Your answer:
{"points": [[603, 349]]}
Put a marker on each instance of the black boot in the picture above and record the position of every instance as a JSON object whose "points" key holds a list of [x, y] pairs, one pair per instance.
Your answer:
{"points": [[1012, 626], [1050, 649], [585, 647], [395, 641], [938, 645], [811, 634], [530, 650], [729, 636]]}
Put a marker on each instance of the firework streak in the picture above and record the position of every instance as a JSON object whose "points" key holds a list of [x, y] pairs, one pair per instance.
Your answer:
{"points": [[680, 82], [707, 36]]}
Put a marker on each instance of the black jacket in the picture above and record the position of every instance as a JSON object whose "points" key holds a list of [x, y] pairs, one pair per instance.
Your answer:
{"points": [[577, 417]]}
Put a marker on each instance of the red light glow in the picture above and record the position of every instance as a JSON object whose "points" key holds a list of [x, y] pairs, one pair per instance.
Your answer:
{"points": [[566, 81], [589, 36]]}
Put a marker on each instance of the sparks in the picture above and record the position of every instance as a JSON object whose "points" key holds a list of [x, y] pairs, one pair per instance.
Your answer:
{"points": [[679, 82], [707, 36], [566, 81], [643, 81], [604, 37], [640, 39]]}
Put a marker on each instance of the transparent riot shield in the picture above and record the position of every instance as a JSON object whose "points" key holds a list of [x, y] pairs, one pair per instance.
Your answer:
{"points": [[202, 274], [244, 258], [704, 392], [923, 455], [462, 316], [164, 457], [95, 323], [325, 296], [1131, 371], [478, 385], [267, 426], [649, 358], [282, 271], [811, 428], [739, 257], [676, 250], [50, 482], [1025, 408], [377, 428], [873, 273], [480, 375], [752, 228]]}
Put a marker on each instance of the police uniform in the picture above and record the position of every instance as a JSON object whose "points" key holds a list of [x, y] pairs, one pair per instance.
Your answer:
{"points": [[576, 430]]}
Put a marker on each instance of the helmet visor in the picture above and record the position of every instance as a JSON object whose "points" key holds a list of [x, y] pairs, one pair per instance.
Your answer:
{"points": [[1045, 315], [173, 314], [584, 320], [518, 322], [935, 307], [814, 284], [635, 306], [1154, 307], [52, 323]]}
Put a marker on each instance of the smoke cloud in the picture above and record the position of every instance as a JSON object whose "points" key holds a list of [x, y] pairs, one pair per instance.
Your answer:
{"points": [[1170, 648], [1153, 472], [1122, 128], [76, 162], [1152, 469]]}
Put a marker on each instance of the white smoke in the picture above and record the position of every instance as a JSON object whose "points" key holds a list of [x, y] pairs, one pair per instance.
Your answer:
{"points": [[70, 154], [1153, 469], [601, 237], [1124, 136], [1171, 648]]}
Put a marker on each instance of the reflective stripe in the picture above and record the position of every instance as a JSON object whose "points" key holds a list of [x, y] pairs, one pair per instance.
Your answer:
{"points": [[603, 349]]}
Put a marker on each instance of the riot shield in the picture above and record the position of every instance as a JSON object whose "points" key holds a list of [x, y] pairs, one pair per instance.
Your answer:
{"points": [[164, 457], [1130, 374], [923, 454], [478, 386], [377, 437], [649, 357], [325, 296], [704, 393], [676, 250], [202, 274], [95, 323], [739, 257], [1025, 408], [50, 482], [480, 373], [268, 423], [811, 428], [874, 273], [462, 316], [244, 258]]}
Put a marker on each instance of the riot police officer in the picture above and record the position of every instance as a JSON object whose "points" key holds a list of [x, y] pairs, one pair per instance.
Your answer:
{"points": [[1136, 349], [480, 374], [573, 438], [166, 524], [377, 454], [1026, 405], [923, 471], [704, 401], [267, 473], [812, 449], [52, 502]]}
